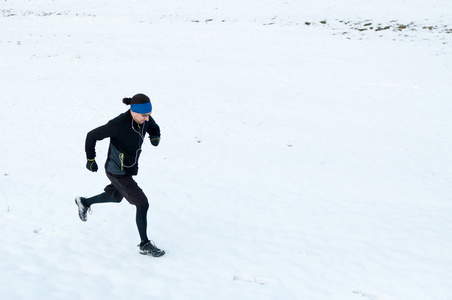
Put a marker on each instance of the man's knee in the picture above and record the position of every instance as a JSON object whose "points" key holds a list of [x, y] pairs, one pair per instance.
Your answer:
{"points": [[143, 206], [116, 197]]}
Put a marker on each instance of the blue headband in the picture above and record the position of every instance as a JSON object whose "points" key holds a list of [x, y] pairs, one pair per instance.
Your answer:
{"points": [[142, 108]]}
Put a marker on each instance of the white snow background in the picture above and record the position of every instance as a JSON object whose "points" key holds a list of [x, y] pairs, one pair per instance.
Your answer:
{"points": [[305, 152]]}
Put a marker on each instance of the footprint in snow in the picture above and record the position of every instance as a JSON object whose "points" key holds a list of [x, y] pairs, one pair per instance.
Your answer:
{"points": [[371, 296], [43, 231], [253, 279]]}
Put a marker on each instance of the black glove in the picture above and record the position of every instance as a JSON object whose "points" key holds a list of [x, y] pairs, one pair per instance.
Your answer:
{"points": [[91, 165], [155, 140]]}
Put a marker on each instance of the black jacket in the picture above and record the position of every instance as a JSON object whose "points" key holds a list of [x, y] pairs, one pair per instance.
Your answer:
{"points": [[126, 138]]}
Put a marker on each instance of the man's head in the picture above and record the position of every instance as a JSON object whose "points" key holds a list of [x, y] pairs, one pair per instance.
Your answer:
{"points": [[140, 107]]}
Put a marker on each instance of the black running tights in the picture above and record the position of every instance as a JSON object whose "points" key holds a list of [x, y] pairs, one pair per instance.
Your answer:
{"points": [[116, 197]]}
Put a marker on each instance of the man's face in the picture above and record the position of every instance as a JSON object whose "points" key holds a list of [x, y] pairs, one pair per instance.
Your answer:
{"points": [[140, 118]]}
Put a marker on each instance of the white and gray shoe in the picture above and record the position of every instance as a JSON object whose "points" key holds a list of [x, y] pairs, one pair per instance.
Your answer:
{"points": [[82, 209], [151, 249]]}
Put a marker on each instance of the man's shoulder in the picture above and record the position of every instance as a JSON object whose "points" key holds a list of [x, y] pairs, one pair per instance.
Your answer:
{"points": [[152, 121], [125, 116]]}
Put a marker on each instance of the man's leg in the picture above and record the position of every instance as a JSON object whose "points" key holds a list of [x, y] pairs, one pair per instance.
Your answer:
{"points": [[84, 204], [135, 195], [142, 223], [110, 195]]}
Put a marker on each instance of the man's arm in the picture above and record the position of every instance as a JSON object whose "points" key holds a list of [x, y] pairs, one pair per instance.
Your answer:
{"points": [[95, 135], [154, 132]]}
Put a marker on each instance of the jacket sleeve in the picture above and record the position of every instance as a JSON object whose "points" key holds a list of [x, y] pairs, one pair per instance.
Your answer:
{"points": [[95, 135], [154, 132], [153, 129]]}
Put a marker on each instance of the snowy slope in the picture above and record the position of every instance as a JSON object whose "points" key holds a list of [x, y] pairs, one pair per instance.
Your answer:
{"points": [[304, 155]]}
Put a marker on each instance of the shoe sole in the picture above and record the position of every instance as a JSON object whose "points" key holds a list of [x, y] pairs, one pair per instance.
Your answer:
{"points": [[150, 254]]}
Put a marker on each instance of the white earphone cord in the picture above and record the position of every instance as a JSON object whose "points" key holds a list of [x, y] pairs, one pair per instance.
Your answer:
{"points": [[136, 153]]}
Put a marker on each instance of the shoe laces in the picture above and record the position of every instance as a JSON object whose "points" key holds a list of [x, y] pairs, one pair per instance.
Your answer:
{"points": [[151, 246]]}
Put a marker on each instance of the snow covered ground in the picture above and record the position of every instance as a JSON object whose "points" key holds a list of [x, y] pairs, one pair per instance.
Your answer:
{"points": [[305, 154]]}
